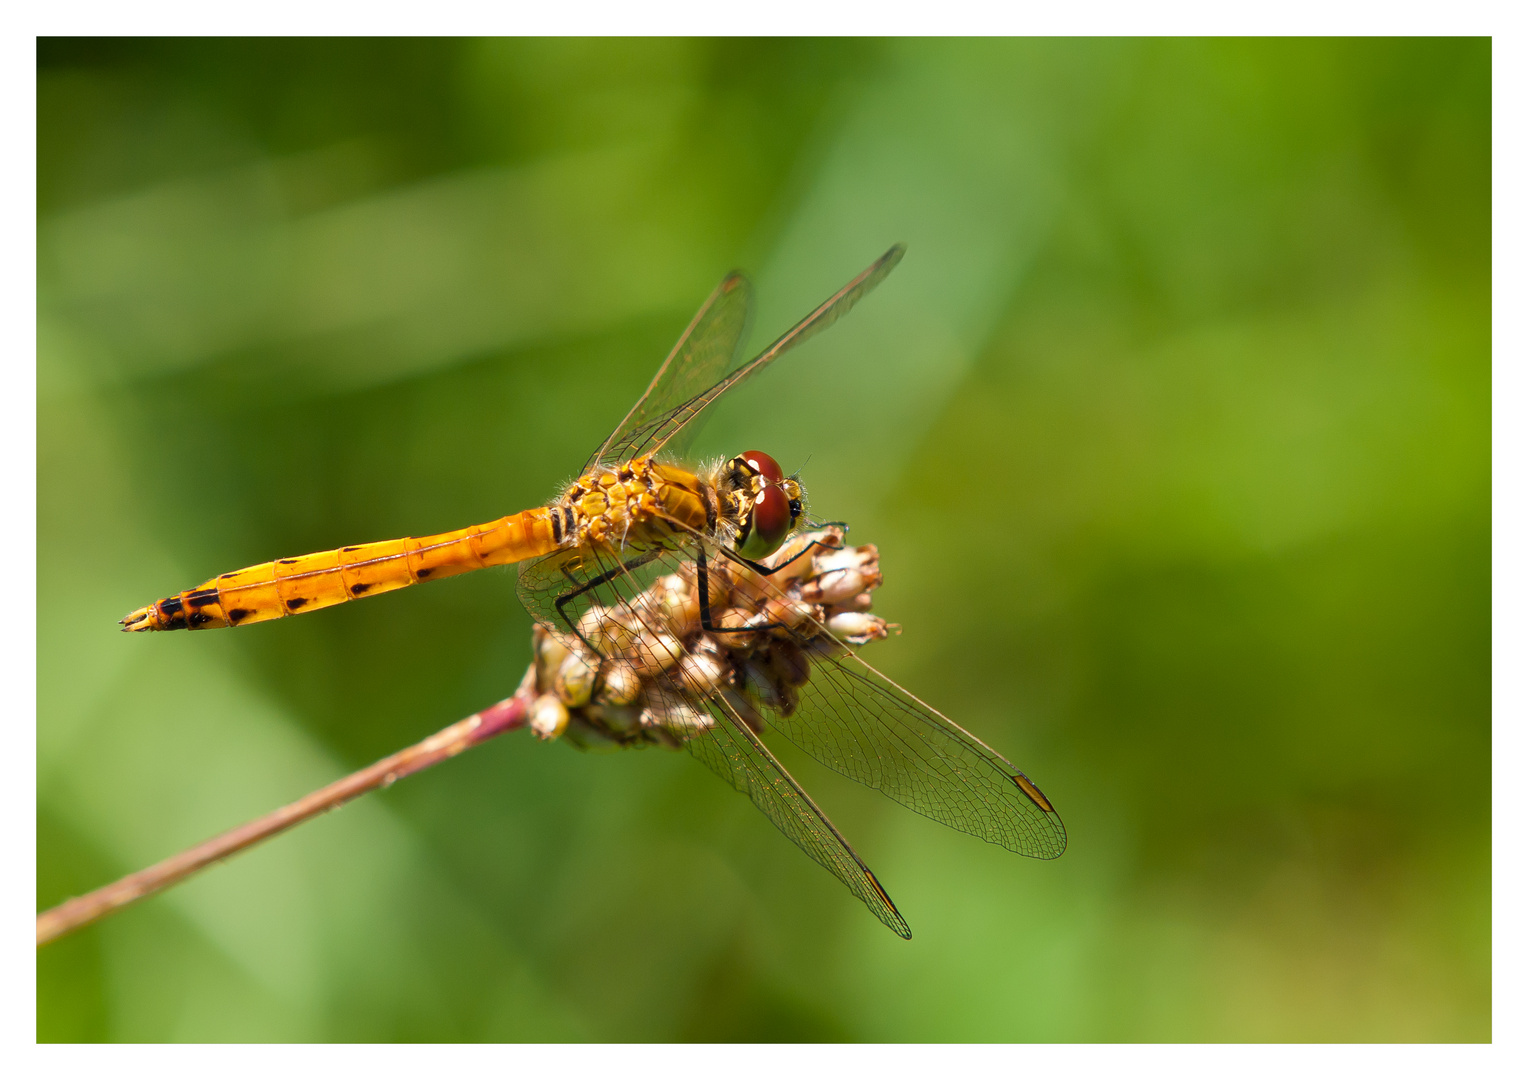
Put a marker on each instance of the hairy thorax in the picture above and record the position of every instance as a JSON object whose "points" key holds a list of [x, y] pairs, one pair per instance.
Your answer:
{"points": [[637, 502]]}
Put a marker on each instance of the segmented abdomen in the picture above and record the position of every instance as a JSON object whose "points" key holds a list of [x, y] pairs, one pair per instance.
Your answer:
{"points": [[309, 582]]}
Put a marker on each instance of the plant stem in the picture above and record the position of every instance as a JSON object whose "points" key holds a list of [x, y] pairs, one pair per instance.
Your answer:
{"points": [[447, 743]]}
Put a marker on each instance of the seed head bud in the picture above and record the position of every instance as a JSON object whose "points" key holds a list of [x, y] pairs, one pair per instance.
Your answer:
{"points": [[834, 587], [731, 619], [797, 557], [609, 631], [654, 653], [549, 717], [550, 653], [860, 602], [574, 681], [826, 560], [622, 684], [857, 627], [701, 673], [676, 603], [677, 716], [788, 613]]}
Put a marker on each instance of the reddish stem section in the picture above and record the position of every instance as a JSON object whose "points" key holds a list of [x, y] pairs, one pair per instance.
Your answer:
{"points": [[462, 735]]}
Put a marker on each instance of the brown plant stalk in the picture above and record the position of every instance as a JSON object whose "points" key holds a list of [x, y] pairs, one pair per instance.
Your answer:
{"points": [[446, 743]]}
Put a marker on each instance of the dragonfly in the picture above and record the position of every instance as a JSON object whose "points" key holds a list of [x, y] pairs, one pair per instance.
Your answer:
{"points": [[637, 516]]}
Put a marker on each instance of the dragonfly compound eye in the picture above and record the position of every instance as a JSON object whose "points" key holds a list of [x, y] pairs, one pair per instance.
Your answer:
{"points": [[770, 520]]}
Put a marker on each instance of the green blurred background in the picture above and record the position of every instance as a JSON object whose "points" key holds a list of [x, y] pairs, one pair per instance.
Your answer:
{"points": [[1172, 429]]}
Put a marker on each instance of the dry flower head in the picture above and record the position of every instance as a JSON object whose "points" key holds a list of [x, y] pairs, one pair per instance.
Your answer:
{"points": [[653, 668]]}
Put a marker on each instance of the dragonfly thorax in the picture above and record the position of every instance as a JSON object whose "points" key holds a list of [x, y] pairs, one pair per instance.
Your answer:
{"points": [[611, 505], [745, 504]]}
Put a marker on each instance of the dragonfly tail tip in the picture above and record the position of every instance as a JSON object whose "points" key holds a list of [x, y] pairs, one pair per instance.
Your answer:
{"points": [[140, 620]]}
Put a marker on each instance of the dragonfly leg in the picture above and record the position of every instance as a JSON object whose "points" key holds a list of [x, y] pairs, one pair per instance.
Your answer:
{"points": [[567, 598], [705, 595], [769, 571]]}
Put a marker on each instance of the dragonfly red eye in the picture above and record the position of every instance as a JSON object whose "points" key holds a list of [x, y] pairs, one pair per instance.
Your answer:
{"points": [[767, 466], [771, 520]]}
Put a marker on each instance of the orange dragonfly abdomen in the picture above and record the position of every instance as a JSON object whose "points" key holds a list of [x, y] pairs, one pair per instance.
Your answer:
{"points": [[306, 583]]}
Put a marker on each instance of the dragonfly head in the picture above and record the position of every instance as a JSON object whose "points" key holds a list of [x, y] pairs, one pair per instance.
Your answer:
{"points": [[769, 503]]}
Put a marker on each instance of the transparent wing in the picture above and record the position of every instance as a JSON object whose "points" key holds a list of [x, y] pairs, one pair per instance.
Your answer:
{"points": [[560, 589], [669, 422], [706, 350], [858, 722], [735, 754]]}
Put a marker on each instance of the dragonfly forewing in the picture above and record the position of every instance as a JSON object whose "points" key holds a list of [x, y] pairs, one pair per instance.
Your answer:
{"points": [[666, 417], [706, 351]]}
